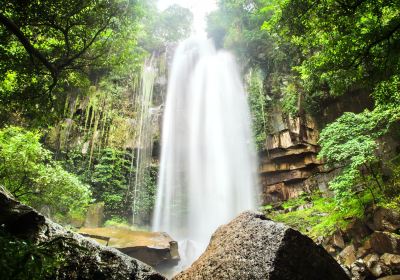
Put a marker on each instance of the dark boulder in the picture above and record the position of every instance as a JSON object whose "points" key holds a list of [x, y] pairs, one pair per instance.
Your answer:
{"points": [[82, 257], [252, 247], [386, 220], [385, 242]]}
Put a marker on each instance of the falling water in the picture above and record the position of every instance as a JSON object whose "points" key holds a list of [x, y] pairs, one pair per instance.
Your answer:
{"points": [[208, 164], [146, 133]]}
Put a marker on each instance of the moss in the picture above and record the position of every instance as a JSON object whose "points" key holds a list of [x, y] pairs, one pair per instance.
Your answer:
{"points": [[24, 260], [117, 222], [323, 217]]}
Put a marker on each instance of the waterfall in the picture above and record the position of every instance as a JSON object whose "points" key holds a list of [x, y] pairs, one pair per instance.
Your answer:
{"points": [[208, 162], [145, 135]]}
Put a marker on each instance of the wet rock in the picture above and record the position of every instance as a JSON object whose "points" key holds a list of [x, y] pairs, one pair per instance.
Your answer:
{"points": [[83, 258], [348, 255], [385, 242], [152, 248], [386, 219], [252, 247]]}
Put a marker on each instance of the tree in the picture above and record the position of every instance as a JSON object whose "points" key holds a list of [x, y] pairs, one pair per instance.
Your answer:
{"points": [[345, 44], [110, 182], [29, 173], [350, 143], [49, 46], [169, 26]]}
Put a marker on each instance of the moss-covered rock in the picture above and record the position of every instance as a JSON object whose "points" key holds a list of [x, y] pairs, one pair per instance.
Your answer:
{"points": [[77, 257]]}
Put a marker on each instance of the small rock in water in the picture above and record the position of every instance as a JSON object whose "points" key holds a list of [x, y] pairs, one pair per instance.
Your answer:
{"points": [[152, 248], [253, 247]]}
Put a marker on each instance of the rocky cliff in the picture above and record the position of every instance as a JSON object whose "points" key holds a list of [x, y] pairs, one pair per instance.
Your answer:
{"points": [[289, 164]]}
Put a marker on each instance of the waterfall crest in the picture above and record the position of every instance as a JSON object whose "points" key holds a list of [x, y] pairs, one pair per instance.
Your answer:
{"points": [[208, 162]]}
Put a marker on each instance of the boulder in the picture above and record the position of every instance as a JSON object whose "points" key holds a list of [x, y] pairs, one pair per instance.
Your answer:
{"points": [[356, 231], [330, 249], [385, 242], [391, 260], [362, 252], [336, 240], [359, 271], [386, 219], [371, 259], [348, 255], [253, 247], [152, 248], [379, 269], [375, 266], [82, 257]]}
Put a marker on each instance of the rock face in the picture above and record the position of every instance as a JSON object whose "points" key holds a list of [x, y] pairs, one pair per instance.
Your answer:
{"points": [[84, 258], [152, 248], [290, 158], [252, 247]]}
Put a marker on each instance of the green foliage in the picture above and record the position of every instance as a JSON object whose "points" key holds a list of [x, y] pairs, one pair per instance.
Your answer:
{"points": [[343, 43], [110, 181], [24, 260], [29, 173], [236, 25], [387, 95], [117, 222], [169, 26], [290, 99], [146, 195], [323, 216], [350, 143], [296, 202], [258, 107], [51, 47], [174, 24]]}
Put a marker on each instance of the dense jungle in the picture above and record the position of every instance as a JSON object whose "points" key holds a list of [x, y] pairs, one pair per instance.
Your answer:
{"points": [[84, 86]]}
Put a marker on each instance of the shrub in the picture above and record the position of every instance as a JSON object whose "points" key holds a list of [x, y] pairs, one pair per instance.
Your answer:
{"points": [[28, 171]]}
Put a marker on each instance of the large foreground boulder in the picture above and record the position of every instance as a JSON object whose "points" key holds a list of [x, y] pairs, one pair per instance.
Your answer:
{"points": [[82, 258], [252, 247]]}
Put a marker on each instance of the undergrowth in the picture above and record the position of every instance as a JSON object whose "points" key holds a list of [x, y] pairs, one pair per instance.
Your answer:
{"points": [[319, 216]]}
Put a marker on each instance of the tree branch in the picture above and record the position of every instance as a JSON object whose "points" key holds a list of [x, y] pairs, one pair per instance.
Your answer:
{"points": [[13, 28]]}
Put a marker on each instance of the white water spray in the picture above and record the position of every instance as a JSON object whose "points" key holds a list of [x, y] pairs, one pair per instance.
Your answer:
{"points": [[208, 164], [146, 135]]}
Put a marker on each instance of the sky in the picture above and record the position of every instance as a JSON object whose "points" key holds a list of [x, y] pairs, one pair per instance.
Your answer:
{"points": [[199, 8]]}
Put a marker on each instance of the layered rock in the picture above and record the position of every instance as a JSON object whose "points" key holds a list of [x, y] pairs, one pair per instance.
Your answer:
{"points": [[252, 247], [152, 248], [290, 157], [82, 257]]}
